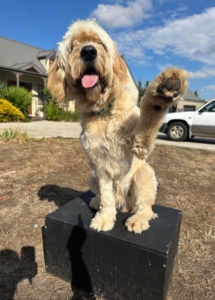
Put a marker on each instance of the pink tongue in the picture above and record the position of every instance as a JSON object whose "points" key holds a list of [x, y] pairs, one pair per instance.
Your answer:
{"points": [[89, 81]]}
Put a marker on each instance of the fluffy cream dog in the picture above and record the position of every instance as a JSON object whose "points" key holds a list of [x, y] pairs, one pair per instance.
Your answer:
{"points": [[117, 136]]}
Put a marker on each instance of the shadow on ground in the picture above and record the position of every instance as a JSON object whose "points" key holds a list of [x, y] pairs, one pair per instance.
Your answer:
{"points": [[80, 281], [57, 194], [14, 269]]}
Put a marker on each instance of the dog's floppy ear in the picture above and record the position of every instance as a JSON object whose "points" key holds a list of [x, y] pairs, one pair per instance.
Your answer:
{"points": [[56, 81], [120, 70]]}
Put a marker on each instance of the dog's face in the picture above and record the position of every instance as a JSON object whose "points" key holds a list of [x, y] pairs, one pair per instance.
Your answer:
{"points": [[88, 66]]}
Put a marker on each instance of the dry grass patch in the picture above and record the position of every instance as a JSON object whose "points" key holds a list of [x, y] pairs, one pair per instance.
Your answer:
{"points": [[56, 170]]}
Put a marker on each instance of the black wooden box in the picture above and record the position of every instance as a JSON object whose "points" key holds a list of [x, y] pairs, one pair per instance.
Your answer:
{"points": [[115, 265]]}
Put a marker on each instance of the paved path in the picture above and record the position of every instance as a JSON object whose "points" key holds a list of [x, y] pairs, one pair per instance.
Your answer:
{"points": [[41, 129], [72, 130]]}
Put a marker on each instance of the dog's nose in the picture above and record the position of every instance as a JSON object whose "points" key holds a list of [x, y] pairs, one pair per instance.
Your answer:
{"points": [[88, 53]]}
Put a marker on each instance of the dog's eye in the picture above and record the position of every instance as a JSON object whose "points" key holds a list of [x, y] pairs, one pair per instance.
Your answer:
{"points": [[103, 46]]}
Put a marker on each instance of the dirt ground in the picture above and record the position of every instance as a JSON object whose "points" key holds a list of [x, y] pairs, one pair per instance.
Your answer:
{"points": [[56, 170]]}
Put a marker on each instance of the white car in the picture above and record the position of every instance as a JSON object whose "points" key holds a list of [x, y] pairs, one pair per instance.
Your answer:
{"points": [[180, 126]]}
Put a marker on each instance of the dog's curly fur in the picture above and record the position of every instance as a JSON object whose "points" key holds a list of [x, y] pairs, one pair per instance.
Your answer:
{"points": [[117, 140]]}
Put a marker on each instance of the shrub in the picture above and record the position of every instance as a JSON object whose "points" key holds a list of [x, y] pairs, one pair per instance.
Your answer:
{"points": [[76, 117], [55, 113], [2, 92], [48, 96], [9, 113], [18, 96]]}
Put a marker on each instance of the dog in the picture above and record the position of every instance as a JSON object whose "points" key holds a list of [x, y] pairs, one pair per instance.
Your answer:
{"points": [[117, 136]]}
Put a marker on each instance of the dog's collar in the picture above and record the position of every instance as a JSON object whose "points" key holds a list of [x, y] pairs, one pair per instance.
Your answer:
{"points": [[104, 110]]}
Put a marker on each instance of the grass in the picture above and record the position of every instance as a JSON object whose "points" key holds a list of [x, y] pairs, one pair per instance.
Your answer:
{"points": [[37, 178], [14, 135]]}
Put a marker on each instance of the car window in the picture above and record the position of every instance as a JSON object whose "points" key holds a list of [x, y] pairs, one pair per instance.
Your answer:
{"points": [[210, 107]]}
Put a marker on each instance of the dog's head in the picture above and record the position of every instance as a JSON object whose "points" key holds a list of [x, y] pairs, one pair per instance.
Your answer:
{"points": [[87, 67]]}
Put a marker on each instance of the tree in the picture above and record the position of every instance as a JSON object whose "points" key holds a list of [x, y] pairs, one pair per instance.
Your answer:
{"points": [[141, 89], [196, 93]]}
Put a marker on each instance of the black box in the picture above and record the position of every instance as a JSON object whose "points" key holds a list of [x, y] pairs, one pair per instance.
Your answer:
{"points": [[115, 265]]}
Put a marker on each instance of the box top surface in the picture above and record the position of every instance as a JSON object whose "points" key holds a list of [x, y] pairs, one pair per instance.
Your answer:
{"points": [[157, 238]]}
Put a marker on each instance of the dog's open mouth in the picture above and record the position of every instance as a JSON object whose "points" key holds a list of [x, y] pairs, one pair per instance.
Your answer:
{"points": [[90, 78]]}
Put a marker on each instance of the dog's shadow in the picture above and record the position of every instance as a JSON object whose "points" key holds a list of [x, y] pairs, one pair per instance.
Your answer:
{"points": [[80, 281], [15, 268], [59, 195]]}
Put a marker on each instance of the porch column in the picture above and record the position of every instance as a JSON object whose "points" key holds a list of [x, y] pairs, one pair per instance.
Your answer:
{"points": [[44, 100], [17, 78]]}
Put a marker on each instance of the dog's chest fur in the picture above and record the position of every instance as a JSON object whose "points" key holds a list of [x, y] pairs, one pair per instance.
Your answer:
{"points": [[105, 146]]}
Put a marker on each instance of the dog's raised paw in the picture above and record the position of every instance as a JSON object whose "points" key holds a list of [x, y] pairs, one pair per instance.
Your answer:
{"points": [[173, 82], [101, 223], [169, 88], [136, 224]]}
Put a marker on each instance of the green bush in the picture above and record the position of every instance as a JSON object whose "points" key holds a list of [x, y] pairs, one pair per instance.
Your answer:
{"points": [[18, 96], [55, 113], [48, 96], [2, 92], [76, 117], [9, 113], [52, 112]]}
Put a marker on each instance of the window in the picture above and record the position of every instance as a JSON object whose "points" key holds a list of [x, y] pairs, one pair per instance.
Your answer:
{"points": [[210, 107], [173, 108], [41, 96], [189, 108], [26, 85], [51, 61]]}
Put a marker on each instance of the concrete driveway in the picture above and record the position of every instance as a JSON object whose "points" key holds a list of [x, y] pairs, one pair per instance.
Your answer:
{"points": [[196, 142], [41, 129]]}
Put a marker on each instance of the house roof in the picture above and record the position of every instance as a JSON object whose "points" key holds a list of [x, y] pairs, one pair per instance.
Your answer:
{"points": [[123, 57], [190, 96], [17, 55]]}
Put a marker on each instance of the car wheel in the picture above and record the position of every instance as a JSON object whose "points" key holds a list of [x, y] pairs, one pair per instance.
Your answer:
{"points": [[177, 131]]}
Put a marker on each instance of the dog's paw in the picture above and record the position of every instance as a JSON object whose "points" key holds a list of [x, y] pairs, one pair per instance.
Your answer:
{"points": [[124, 209], [95, 203], [102, 223], [172, 83], [154, 216], [136, 224]]}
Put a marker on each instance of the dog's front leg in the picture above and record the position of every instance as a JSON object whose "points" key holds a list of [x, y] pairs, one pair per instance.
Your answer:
{"points": [[106, 216], [165, 90]]}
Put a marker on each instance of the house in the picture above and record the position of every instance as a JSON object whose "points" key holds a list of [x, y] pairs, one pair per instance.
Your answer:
{"points": [[131, 84], [24, 65], [188, 102]]}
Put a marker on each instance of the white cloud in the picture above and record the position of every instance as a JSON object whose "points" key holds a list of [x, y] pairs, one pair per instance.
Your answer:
{"points": [[164, 1], [210, 87], [204, 72], [198, 74], [182, 8], [115, 16], [162, 67], [192, 37]]}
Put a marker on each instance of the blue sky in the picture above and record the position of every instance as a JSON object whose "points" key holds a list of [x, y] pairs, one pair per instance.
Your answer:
{"points": [[152, 34]]}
